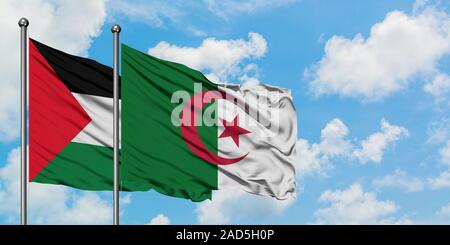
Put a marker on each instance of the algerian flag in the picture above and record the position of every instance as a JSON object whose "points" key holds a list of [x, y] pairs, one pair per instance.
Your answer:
{"points": [[185, 136]]}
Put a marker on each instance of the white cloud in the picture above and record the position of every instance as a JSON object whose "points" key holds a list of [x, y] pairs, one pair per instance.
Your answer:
{"points": [[50, 204], [9, 183], [333, 140], [315, 158], [373, 147], [445, 153], [441, 181], [228, 8], [160, 219], [354, 206], [223, 67], [77, 209], [439, 86], [397, 49], [231, 206], [444, 211], [399, 179], [66, 25]]}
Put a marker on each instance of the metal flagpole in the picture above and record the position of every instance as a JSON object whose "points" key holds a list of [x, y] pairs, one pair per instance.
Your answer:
{"points": [[116, 30], [23, 23]]}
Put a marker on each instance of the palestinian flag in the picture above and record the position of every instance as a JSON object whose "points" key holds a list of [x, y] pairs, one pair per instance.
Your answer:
{"points": [[70, 119], [185, 136]]}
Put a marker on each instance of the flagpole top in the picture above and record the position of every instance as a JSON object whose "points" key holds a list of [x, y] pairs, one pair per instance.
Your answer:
{"points": [[23, 22], [116, 28]]}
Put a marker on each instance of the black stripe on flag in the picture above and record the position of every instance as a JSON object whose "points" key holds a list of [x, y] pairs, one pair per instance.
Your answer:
{"points": [[80, 75]]}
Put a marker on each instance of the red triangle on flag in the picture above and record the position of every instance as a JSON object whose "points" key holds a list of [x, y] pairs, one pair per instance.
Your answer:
{"points": [[55, 116]]}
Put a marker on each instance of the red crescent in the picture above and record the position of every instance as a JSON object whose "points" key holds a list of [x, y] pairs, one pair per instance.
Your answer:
{"points": [[189, 128]]}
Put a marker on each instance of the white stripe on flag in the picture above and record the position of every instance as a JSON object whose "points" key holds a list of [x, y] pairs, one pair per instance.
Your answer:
{"points": [[100, 130]]}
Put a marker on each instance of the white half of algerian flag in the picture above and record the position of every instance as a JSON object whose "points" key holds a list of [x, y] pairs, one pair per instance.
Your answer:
{"points": [[263, 127]]}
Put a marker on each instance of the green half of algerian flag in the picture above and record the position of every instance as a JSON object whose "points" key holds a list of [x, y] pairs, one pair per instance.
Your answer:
{"points": [[154, 151]]}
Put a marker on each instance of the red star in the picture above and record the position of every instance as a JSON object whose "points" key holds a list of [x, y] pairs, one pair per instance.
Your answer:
{"points": [[233, 130]]}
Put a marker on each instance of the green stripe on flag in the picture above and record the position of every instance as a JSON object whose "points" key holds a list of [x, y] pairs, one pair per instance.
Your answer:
{"points": [[81, 166]]}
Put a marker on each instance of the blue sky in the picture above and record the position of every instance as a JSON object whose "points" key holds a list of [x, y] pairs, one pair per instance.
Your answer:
{"points": [[370, 82]]}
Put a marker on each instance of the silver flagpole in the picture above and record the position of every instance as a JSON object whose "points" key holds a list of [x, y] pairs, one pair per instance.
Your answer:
{"points": [[116, 30], [23, 23]]}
